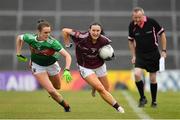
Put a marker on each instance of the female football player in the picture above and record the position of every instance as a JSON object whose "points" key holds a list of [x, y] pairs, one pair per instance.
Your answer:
{"points": [[92, 68], [44, 55]]}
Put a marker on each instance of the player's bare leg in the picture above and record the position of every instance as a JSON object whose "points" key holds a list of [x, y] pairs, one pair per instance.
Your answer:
{"points": [[104, 82], [95, 83], [43, 79], [56, 81]]}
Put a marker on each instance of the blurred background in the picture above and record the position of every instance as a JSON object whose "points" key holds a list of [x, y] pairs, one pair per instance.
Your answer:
{"points": [[21, 16]]}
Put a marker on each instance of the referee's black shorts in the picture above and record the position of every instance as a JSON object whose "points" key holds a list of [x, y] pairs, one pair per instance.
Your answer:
{"points": [[148, 61]]}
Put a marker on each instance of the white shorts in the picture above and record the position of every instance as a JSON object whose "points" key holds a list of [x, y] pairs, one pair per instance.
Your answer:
{"points": [[52, 70], [100, 71]]}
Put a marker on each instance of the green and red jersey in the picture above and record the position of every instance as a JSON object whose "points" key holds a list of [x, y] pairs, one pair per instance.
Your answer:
{"points": [[43, 53]]}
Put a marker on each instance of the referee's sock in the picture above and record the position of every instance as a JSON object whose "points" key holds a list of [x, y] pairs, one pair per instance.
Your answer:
{"points": [[153, 88], [140, 86]]}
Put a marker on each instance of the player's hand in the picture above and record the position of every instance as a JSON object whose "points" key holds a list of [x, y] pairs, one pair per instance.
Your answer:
{"points": [[110, 58], [67, 76], [21, 58], [164, 54], [133, 60], [69, 45]]}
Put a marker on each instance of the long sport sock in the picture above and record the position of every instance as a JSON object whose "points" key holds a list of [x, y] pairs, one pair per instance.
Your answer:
{"points": [[153, 88], [140, 86]]}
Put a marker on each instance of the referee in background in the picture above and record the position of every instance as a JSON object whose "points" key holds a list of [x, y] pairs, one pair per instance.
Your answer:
{"points": [[143, 43]]}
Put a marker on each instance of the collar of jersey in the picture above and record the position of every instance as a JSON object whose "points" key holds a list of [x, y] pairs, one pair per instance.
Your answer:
{"points": [[144, 20], [38, 40]]}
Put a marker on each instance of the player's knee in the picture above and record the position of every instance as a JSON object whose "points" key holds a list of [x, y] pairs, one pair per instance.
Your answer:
{"points": [[100, 89], [107, 88], [137, 75], [52, 92]]}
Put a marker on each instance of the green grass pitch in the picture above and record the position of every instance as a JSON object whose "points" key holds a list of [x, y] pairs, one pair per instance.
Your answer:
{"points": [[37, 105]]}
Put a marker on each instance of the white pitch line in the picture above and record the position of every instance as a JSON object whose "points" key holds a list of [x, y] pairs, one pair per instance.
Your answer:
{"points": [[133, 104]]}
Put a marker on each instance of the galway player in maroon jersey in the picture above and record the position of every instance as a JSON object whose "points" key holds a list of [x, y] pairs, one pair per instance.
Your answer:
{"points": [[92, 68]]}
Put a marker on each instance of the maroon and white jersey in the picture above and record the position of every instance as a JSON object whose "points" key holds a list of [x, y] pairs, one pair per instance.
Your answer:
{"points": [[87, 54]]}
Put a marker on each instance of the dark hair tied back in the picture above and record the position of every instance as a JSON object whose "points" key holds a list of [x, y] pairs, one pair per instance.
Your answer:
{"points": [[42, 23], [96, 23]]}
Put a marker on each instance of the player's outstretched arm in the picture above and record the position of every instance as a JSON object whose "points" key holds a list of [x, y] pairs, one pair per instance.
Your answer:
{"points": [[66, 36], [19, 44], [66, 75]]}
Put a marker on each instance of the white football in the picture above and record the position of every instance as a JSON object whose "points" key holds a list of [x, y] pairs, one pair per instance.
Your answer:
{"points": [[106, 52]]}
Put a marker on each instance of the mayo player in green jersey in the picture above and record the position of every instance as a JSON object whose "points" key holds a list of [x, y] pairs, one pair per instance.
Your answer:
{"points": [[45, 51]]}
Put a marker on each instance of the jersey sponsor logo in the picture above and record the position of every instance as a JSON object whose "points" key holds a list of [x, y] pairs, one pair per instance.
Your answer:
{"points": [[83, 35], [92, 56], [47, 52], [84, 48], [137, 34], [50, 41], [93, 50], [38, 46], [148, 32]]}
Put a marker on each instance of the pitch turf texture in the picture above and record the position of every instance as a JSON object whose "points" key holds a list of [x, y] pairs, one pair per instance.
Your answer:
{"points": [[37, 105]]}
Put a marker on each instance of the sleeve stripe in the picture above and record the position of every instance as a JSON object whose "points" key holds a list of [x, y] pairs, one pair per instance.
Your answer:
{"points": [[73, 33], [130, 38], [106, 38], [61, 49], [83, 35], [21, 37], [161, 31]]}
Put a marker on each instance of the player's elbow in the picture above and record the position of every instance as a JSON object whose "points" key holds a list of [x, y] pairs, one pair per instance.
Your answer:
{"points": [[66, 55], [66, 30]]}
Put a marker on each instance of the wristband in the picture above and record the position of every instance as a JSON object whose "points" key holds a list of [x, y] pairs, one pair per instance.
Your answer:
{"points": [[66, 70], [21, 58], [69, 45]]}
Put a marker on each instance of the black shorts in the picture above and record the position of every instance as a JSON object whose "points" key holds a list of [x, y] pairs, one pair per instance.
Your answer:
{"points": [[148, 61]]}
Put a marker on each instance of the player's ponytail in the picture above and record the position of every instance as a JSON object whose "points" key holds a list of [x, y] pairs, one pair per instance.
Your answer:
{"points": [[40, 21]]}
